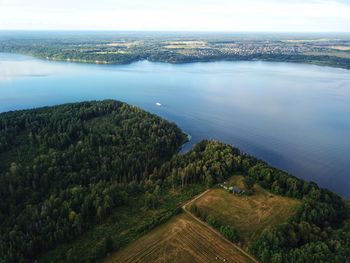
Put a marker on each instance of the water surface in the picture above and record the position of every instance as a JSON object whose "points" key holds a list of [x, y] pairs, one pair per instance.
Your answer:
{"points": [[294, 116]]}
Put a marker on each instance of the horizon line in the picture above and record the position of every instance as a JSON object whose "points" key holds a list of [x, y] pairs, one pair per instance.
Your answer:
{"points": [[170, 31]]}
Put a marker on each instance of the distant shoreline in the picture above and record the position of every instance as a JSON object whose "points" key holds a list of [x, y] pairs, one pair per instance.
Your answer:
{"points": [[322, 63]]}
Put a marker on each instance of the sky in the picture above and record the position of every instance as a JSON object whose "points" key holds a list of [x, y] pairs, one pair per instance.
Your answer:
{"points": [[177, 15]]}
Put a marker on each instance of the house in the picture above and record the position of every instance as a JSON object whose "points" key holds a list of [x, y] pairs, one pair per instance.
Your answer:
{"points": [[232, 189], [237, 191]]}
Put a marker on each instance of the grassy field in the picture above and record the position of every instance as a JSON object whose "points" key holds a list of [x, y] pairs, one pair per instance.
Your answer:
{"points": [[182, 239], [250, 215]]}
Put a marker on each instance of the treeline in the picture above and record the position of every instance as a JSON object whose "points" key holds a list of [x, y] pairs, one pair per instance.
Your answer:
{"points": [[216, 55], [209, 162], [84, 50], [318, 232], [63, 169], [227, 230]]}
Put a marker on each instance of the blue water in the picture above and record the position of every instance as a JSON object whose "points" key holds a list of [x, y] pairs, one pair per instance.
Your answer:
{"points": [[294, 116]]}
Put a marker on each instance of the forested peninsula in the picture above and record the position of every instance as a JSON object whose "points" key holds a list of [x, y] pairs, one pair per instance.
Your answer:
{"points": [[80, 181]]}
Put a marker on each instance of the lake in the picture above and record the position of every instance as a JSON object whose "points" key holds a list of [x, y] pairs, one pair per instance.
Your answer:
{"points": [[294, 116]]}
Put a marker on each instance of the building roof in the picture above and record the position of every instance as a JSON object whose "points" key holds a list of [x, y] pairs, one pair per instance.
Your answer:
{"points": [[236, 189]]}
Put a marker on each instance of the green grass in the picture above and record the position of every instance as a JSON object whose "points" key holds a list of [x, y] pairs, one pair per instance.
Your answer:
{"points": [[250, 215]]}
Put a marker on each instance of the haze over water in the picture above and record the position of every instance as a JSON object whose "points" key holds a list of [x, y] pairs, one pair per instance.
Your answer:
{"points": [[294, 116]]}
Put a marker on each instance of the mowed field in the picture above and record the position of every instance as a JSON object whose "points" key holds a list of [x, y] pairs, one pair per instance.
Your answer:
{"points": [[182, 239], [250, 215]]}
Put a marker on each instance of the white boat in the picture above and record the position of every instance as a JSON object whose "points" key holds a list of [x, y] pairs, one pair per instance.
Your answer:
{"points": [[158, 104]]}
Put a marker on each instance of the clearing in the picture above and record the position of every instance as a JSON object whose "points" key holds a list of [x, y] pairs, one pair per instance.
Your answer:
{"points": [[250, 215], [181, 239]]}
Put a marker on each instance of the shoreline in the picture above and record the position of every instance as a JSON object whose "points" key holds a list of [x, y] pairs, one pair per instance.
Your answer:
{"points": [[183, 62]]}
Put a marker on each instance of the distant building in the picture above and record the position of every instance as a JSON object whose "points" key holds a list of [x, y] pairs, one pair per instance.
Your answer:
{"points": [[232, 189], [237, 191]]}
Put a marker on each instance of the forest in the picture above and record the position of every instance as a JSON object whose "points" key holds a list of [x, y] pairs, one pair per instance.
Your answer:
{"points": [[66, 169], [63, 169]]}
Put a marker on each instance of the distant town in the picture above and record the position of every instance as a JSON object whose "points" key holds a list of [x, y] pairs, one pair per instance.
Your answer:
{"points": [[123, 48]]}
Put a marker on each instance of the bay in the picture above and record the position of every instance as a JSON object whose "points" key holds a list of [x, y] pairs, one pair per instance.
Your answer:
{"points": [[294, 116]]}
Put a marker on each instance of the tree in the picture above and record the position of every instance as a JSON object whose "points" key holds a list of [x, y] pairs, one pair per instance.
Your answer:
{"points": [[248, 182], [230, 233]]}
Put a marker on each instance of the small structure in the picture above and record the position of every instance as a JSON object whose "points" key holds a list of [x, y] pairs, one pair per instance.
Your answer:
{"points": [[237, 191], [232, 189]]}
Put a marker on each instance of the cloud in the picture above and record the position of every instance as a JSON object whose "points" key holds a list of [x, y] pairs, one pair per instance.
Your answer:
{"points": [[201, 15]]}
